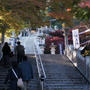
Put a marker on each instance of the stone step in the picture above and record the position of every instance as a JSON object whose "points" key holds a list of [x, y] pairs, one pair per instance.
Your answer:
{"points": [[32, 81], [64, 88], [64, 85], [31, 87], [65, 81], [35, 83], [49, 76]]}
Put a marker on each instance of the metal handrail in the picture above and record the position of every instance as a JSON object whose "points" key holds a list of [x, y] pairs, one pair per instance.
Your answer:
{"points": [[42, 67], [41, 71]]}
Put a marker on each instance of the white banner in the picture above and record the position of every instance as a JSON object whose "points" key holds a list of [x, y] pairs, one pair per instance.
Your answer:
{"points": [[75, 35]]}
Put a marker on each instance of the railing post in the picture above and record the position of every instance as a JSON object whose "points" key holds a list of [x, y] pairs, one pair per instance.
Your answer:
{"points": [[42, 82]]}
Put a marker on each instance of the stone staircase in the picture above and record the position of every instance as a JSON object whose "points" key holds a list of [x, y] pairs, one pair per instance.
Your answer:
{"points": [[62, 75], [34, 84], [60, 72]]}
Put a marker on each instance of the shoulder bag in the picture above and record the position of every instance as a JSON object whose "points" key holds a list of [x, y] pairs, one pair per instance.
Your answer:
{"points": [[20, 83]]}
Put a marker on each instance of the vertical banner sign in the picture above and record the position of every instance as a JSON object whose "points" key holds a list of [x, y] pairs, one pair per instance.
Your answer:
{"points": [[75, 35]]}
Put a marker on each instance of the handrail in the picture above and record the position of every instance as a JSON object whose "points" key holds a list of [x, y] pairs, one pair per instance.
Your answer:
{"points": [[41, 71], [42, 67]]}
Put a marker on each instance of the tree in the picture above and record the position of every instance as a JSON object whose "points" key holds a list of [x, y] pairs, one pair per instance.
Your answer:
{"points": [[17, 13], [8, 21], [81, 11], [61, 10], [35, 13], [3, 27], [28, 10], [68, 10]]}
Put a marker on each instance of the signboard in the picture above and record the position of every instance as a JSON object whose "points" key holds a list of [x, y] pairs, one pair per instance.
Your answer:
{"points": [[75, 35]]}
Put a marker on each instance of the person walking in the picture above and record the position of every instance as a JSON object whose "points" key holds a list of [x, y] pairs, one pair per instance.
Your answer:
{"points": [[12, 78], [27, 72], [19, 52], [6, 53]]}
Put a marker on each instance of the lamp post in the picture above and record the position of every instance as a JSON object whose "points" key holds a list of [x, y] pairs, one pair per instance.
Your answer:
{"points": [[65, 37]]}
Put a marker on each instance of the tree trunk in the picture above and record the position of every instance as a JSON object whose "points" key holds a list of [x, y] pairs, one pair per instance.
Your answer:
{"points": [[3, 36]]}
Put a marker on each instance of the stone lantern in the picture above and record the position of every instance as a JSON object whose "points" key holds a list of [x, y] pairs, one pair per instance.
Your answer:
{"points": [[53, 48]]}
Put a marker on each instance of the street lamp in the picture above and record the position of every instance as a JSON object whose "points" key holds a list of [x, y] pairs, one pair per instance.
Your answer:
{"points": [[65, 29]]}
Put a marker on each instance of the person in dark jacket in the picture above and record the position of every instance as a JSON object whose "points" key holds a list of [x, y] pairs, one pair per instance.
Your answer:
{"points": [[12, 78], [19, 51], [6, 52], [27, 72]]}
